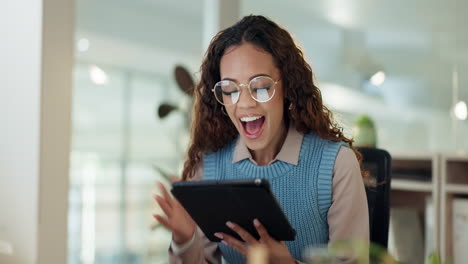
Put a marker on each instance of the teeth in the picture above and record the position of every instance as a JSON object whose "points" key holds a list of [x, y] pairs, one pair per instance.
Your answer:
{"points": [[250, 118]]}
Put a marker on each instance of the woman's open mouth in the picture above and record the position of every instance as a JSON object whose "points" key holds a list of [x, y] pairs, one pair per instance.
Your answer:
{"points": [[252, 126]]}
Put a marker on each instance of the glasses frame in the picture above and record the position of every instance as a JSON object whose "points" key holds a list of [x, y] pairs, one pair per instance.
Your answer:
{"points": [[239, 85]]}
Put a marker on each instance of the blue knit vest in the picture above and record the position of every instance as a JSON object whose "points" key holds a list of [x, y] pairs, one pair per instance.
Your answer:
{"points": [[304, 191]]}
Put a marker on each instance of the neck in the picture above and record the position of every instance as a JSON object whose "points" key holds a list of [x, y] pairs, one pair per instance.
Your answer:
{"points": [[265, 156]]}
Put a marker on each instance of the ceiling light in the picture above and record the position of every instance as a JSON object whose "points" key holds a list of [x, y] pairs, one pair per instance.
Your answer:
{"points": [[460, 110], [83, 45], [341, 12], [378, 78], [97, 75]]}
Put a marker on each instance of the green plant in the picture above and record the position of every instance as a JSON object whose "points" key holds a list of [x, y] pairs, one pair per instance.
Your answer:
{"points": [[362, 252], [433, 259]]}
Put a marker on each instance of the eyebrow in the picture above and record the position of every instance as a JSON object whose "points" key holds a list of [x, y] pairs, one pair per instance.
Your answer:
{"points": [[254, 76]]}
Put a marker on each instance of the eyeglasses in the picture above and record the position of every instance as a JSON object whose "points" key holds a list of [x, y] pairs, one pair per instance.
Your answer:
{"points": [[261, 88]]}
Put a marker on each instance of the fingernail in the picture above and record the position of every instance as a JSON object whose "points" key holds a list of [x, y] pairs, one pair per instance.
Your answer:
{"points": [[218, 235], [230, 224], [224, 242], [256, 222]]}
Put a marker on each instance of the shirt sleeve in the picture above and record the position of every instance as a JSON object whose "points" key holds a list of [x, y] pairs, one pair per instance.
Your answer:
{"points": [[348, 216], [199, 250], [178, 249]]}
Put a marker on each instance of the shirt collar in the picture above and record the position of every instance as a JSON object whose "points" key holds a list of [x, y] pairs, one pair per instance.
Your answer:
{"points": [[289, 151]]}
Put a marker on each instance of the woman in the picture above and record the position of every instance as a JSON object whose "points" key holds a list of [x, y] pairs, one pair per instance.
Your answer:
{"points": [[258, 113]]}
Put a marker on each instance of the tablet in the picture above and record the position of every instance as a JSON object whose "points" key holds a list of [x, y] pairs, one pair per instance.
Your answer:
{"points": [[212, 203]]}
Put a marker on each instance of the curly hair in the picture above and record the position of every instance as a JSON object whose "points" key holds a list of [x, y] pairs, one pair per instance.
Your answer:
{"points": [[212, 129]]}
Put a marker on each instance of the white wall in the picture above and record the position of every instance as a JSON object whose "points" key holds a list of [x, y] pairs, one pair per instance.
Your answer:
{"points": [[36, 58]]}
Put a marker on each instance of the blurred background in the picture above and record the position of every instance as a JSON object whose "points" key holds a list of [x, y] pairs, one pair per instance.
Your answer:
{"points": [[401, 63]]}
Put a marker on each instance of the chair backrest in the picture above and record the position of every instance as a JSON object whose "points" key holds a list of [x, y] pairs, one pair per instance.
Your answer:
{"points": [[378, 163]]}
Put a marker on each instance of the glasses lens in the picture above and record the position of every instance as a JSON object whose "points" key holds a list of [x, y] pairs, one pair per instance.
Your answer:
{"points": [[262, 88], [227, 92]]}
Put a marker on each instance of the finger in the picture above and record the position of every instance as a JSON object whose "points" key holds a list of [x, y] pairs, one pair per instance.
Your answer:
{"points": [[165, 206], [166, 195], [246, 236], [163, 221], [234, 243], [262, 232]]}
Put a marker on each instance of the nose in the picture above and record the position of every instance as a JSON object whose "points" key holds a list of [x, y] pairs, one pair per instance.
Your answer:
{"points": [[245, 99]]}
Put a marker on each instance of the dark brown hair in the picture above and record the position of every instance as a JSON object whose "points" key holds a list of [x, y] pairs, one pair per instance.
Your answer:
{"points": [[212, 130]]}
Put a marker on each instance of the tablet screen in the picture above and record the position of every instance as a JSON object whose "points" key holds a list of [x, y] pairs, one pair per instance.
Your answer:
{"points": [[212, 203]]}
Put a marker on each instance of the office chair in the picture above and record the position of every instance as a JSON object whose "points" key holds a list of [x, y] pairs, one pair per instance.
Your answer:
{"points": [[377, 163]]}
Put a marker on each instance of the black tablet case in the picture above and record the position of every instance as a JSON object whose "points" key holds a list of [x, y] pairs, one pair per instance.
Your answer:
{"points": [[212, 203]]}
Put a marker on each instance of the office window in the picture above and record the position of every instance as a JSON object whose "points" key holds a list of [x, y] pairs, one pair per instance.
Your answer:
{"points": [[417, 46], [118, 140]]}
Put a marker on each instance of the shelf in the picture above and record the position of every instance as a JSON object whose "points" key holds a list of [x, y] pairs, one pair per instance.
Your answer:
{"points": [[447, 178], [459, 156], [457, 188], [412, 155], [415, 182], [409, 185]]}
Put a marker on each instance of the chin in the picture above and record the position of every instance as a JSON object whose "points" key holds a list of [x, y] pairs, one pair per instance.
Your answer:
{"points": [[254, 144]]}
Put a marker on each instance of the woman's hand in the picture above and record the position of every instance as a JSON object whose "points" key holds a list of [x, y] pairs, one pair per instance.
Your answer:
{"points": [[277, 251], [178, 220]]}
